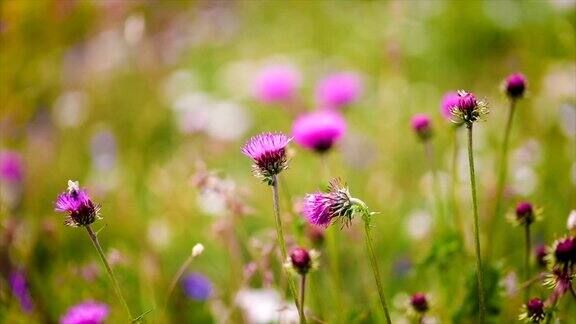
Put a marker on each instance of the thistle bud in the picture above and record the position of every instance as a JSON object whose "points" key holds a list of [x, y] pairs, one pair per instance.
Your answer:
{"points": [[419, 302], [515, 85], [421, 124], [300, 260], [525, 213]]}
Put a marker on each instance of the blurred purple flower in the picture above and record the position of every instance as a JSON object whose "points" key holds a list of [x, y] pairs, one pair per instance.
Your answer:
{"points": [[419, 302], [339, 90], [19, 287], [103, 149], [319, 130], [268, 151], [525, 213], [515, 85], [11, 166], [88, 312], [449, 101], [276, 83], [196, 286], [77, 204], [421, 125]]}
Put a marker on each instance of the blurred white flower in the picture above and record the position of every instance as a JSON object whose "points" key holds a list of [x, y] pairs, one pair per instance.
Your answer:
{"points": [[236, 78], [159, 233], [177, 84], [105, 52], [571, 222], [197, 249], [103, 150], [134, 28], [524, 181], [259, 305], [227, 121], [70, 109], [212, 203], [510, 283], [192, 112], [418, 224], [528, 154]]}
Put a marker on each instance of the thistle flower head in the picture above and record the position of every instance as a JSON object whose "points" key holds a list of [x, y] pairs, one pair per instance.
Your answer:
{"points": [[339, 90], [449, 102], [320, 208], [421, 124], [302, 261], [86, 313], [419, 302], [564, 251], [196, 286], [77, 204], [469, 109], [319, 130], [515, 85], [525, 213], [268, 151], [276, 83], [533, 311]]}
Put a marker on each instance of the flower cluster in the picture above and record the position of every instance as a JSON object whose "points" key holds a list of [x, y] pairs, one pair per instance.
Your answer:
{"points": [[268, 151], [77, 204]]}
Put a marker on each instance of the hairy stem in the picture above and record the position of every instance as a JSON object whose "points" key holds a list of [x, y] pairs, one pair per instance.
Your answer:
{"points": [[302, 294], [282, 244], [375, 270], [480, 273], [115, 284], [527, 261]]}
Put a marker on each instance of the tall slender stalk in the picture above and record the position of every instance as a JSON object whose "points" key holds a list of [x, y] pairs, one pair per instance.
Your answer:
{"points": [[503, 166], [282, 243], [480, 274], [176, 278], [302, 293], [527, 261], [115, 284], [375, 269], [454, 187]]}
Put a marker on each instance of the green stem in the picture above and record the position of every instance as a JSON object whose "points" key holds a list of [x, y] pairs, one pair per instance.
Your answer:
{"points": [[302, 294], [455, 211], [176, 279], [375, 270], [479, 269], [527, 261], [503, 165], [115, 284], [282, 243]]}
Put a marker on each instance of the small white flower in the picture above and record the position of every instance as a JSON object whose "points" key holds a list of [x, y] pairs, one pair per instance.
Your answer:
{"points": [[571, 223], [197, 250]]}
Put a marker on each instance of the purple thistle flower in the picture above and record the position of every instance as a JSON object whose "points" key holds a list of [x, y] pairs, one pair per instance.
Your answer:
{"points": [[338, 90], [19, 286], [468, 109], [268, 151], [565, 251], [525, 213], [196, 286], [449, 102], [88, 312], [319, 130], [419, 302], [300, 260], [276, 84], [515, 85], [421, 124], [77, 204], [321, 208], [11, 166], [533, 311]]}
